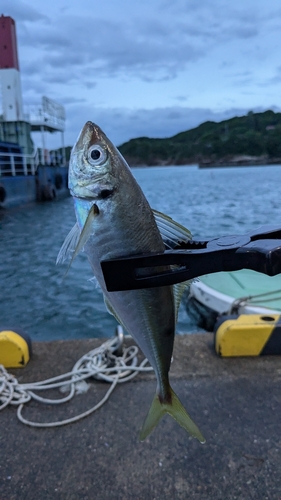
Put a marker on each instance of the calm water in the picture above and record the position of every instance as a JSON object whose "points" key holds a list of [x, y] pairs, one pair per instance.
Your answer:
{"points": [[34, 297]]}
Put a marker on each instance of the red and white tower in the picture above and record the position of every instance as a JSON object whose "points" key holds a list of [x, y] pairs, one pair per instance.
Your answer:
{"points": [[12, 108]]}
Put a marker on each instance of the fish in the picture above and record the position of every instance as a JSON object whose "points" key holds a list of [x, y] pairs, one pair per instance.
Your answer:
{"points": [[114, 219]]}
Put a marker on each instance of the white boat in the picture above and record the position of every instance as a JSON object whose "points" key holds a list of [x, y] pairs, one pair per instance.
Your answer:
{"points": [[237, 292]]}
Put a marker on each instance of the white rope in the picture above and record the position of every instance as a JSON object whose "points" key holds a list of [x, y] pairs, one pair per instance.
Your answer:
{"points": [[254, 300], [102, 363]]}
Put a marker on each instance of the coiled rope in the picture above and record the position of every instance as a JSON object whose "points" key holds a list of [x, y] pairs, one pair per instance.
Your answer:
{"points": [[110, 362]]}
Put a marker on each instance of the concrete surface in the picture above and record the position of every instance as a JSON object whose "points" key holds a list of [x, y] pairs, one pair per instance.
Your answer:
{"points": [[235, 402]]}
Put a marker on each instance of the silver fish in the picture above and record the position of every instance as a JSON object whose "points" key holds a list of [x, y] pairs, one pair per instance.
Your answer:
{"points": [[114, 220]]}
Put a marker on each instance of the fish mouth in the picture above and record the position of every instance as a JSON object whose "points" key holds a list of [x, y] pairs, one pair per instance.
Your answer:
{"points": [[80, 197], [93, 192]]}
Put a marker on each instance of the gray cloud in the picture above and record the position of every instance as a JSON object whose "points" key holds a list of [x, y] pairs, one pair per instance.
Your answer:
{"points": [[149, 48], [158, 41], [111, 49], [181, 98], [21, 11], [221, 20], [273, 80]]}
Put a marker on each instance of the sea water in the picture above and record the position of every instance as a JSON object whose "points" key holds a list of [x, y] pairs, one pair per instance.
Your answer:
{"points": [[35, 297]]}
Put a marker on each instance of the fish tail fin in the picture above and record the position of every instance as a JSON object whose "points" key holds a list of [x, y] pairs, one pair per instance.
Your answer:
{"points": [[176, 410]]}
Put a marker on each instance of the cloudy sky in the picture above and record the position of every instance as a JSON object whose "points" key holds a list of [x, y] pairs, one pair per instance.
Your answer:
{"points": [[149, 67]]}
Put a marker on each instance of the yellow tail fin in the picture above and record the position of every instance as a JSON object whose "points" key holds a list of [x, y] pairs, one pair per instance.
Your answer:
{"points": [[176, 410]]}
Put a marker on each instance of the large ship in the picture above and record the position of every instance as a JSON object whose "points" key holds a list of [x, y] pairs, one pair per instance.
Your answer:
{"points": [[27, 173]]}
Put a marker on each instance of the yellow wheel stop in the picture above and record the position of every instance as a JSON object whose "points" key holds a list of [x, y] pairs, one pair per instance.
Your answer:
{"points": [[15, 349]]}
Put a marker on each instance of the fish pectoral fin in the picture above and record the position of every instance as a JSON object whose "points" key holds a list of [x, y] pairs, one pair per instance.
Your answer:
{"points": [[176, 410], [171, 231], [86, 231], [69, 244], [75, 240]]}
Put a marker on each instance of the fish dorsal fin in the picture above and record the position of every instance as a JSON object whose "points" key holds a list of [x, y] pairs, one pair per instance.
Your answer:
{"points": [[171, 231], [179, 289], [69, 244]]}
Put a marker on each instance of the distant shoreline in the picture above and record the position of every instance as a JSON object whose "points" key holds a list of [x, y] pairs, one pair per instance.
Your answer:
{"points": [[219, 164], [240, 162]]}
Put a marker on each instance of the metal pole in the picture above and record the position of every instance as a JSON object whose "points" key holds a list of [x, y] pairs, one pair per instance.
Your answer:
{"points": [[13, 165], [63, 148], [43, 145], [32, 161], [24, 165], [1, 132]]}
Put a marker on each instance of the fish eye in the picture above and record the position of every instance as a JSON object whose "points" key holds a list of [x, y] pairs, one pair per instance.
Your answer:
{"points": [[96, 155]]}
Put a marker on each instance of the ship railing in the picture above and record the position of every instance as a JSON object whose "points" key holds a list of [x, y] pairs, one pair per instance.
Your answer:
{"points": [[12, 164]]}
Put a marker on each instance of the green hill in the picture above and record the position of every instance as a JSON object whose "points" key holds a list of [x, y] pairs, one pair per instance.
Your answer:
{"points": [[256, 135]]}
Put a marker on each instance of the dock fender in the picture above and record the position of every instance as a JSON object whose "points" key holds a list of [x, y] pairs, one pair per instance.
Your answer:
{"points": [[48, 192], [248, 335], [58, 181], [3, 193], [15, 348]]}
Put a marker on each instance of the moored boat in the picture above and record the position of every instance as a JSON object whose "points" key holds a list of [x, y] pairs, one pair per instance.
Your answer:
{"points": [[23, 179], [237, 292], [27, 173]]}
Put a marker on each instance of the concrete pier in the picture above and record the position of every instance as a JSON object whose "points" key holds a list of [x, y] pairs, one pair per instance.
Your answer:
{"points": [[235, 402]]}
